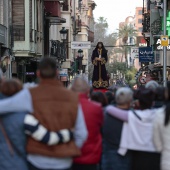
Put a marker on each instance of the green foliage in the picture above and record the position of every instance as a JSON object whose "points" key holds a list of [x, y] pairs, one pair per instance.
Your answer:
{"points": [[130, 76], [117, 66], [127, 31]]}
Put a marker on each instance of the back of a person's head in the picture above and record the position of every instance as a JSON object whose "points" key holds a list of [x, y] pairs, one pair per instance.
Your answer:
{"points": [[80, 85], [11, 87], [47, 68], [146, 98], [153, 85], [124, 95], [110, 97], [100, 98]]}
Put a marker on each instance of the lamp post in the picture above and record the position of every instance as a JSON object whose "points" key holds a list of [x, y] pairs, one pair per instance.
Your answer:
{"points": [[80, 58], [163, 5], [63, 34]]}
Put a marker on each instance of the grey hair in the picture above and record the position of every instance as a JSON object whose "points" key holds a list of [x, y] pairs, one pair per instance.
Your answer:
{"points": [[153, 85], [124, 95], [80, 84]]}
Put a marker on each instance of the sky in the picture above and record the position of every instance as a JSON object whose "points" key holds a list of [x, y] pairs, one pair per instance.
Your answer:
{"points": [[115, 11]]}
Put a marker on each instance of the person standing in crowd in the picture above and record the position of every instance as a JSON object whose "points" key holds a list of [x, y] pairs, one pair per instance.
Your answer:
{"points": [[110, 97], [100, 98], [56, 108], [112, 129], [93, 114], [138, 131], [13, 127], [154, 86], [161, 135], [99, 59]]}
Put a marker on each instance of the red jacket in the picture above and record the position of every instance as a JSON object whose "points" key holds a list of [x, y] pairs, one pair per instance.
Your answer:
{"points": [[92, 148]]}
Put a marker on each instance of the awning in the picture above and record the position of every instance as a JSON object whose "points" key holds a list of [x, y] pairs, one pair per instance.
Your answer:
{"points": [[56, 20]]}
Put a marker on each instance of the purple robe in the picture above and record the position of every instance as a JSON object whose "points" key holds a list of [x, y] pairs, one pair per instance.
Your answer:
{"points": [[99, 79]]}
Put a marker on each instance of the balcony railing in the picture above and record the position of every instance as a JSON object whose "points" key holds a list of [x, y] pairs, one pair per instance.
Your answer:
{"points": [[3, 31], [58, 50], [19, 33]]}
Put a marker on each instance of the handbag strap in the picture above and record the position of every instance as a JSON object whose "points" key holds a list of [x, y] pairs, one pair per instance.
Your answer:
{"points": [[6, 138], [136, 115]]}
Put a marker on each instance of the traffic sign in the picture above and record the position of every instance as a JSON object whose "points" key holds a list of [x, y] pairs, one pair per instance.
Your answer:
{"points": [[164, 40]]}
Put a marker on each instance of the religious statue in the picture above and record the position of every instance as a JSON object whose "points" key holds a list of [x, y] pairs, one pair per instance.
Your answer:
{"points": [[99, 59]]}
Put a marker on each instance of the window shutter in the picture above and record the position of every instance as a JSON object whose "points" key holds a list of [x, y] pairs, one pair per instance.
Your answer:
{"points": [[18, 20]]}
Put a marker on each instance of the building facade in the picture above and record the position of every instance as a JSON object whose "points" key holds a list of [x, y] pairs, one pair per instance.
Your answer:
{"points": [[138, 20], [5, 38], [27, 37]]}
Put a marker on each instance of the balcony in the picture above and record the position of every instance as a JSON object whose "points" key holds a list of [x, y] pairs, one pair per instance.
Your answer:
{"points": [[53, 8], [53, 12], [58, 50], [90, 36], [3, 32], [18, 33]]}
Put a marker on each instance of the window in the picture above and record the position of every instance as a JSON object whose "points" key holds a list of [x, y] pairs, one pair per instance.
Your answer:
{"points": [[65, 5], [140, 12], [1, 12], [18, 20], [140, 21]]}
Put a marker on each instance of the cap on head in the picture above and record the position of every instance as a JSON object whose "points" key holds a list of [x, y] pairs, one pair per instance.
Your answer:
{"points": [[124, 95]]}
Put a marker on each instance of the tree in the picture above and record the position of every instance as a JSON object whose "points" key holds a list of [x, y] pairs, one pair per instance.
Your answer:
{"points": [[125, 32]]}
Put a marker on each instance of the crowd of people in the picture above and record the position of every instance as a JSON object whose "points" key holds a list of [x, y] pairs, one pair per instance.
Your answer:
{"points": [[49, 127]]}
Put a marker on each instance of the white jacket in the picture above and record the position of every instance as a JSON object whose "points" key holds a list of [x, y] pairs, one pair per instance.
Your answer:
{"points": [[161, 137], [137, 133]]}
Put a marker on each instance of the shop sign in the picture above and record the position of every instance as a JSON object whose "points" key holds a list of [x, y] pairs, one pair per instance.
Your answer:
{"points": [[146, 54], [63, 72], [80, 45], [30, 73], [134, 52], [158, 46]]}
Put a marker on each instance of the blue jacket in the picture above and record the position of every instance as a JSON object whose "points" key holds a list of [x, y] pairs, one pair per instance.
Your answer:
{"points": [[15, 158]]}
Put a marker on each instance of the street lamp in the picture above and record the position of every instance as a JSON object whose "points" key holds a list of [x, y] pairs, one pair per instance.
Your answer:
{"points": [[79, 60], [63, 34], [80, 53]]}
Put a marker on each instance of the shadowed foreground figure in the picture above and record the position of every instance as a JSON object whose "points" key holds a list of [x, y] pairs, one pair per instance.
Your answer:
{"points": [[56, 108], [92, 148]]}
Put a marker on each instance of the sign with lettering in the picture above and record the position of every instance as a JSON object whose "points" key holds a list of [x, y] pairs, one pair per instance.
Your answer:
{"points": [[63, 72], [134, 52], [158, 46], [80, 45], [146, 54]]}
